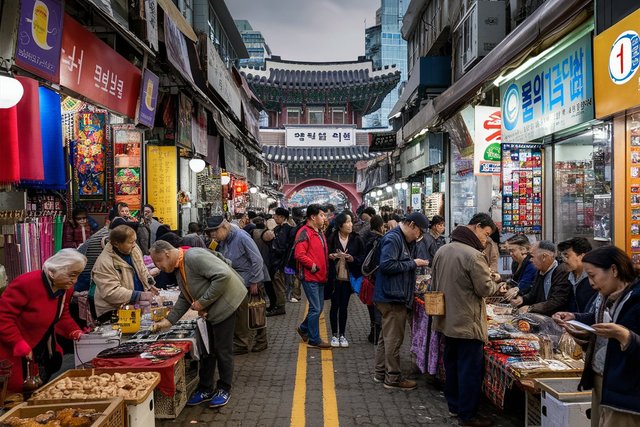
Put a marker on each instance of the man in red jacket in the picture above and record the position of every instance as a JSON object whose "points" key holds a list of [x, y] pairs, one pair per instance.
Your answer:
{"points": [[312, 259]]}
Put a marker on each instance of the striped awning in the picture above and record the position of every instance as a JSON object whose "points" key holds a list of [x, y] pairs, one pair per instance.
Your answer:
{"points": [[315, 155]]}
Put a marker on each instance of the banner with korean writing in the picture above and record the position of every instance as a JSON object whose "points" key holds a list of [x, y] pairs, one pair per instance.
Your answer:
{"points": [[89, 67], [39, 38], [486, 147], [220, 79], [382, 141], [554, 95], [148, 99], [310, 136], [162, 183]]}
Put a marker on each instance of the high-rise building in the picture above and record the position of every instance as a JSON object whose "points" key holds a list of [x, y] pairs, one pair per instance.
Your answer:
{"points": [[385, 46], [256, 45]]}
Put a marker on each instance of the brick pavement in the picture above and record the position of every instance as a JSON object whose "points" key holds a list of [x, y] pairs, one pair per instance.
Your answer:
{"points": [[264, 382]]}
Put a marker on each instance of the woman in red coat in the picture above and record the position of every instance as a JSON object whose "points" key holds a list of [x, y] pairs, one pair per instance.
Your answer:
{"points": [[32, 308]]}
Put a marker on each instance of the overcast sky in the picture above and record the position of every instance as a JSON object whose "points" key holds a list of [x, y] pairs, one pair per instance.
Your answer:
{"points": [[309, 30]]}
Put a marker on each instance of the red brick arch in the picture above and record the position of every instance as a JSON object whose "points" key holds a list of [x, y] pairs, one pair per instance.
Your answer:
{"points": [[349, 189]]}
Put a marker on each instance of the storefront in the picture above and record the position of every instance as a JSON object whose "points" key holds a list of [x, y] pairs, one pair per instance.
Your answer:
{"points": [[556, 159], [616, 89]]}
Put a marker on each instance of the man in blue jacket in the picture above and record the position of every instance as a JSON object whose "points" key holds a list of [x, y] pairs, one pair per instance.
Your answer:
{"points": [[395, 284]]}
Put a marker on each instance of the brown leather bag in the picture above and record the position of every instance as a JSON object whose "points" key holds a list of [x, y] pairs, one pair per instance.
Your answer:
{"points": [[257, 312]]}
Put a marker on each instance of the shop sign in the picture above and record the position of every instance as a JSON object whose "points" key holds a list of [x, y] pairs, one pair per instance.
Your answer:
{"points": [[185, 107], [91, 68], [309, 136], [554, 95], [151, 21], [234, 161], [416, 197], [414, 158], [384, 141], [162, 183], [221, 80], [199, 131], [176, 48], [39, 38], [616, 64], [148, 99], [486, 150]]}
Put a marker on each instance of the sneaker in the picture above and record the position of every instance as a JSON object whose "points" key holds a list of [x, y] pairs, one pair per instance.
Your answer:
{"points": [[322, 345], [401, 385], [303, 335], [335, 342], [220, 398], [378, 378], [198, 397], [294, 299], [278, 311], [343, 341]]}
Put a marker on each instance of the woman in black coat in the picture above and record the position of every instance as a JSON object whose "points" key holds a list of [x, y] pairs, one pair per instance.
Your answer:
{"points": [[346, 247]]}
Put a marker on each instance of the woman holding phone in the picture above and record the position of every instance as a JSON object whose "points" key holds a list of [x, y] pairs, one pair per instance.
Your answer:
{"points": [[613, 343]]}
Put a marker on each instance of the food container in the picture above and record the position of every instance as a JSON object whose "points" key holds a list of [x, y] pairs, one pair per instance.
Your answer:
{"points": [[129, 320], [113, 411]]}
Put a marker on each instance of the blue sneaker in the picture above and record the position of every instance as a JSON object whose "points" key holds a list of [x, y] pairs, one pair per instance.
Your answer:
{"points": [[220, 398], [198, 397]]}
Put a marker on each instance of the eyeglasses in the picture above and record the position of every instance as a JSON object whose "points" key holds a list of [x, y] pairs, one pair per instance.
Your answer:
{"points": [[81, 218]]}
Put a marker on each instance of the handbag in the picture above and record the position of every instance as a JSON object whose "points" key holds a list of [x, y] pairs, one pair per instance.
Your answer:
{"points": [[342, 274], [257, 312], [366, 291], [356, 283], [434, 301]]}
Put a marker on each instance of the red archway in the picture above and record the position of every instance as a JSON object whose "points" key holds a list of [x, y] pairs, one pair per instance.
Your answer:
{"points": [[348, 189]]}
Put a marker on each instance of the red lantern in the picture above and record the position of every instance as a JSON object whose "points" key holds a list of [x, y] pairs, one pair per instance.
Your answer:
{"points": [[240, 187]]}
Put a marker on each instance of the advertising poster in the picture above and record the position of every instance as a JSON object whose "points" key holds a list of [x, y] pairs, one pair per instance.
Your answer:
{"points": [[162, 183], [486, 150]]}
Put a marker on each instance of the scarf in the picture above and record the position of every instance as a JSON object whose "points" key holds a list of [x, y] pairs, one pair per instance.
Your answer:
{"points": [[464, 235], [183, 274]]}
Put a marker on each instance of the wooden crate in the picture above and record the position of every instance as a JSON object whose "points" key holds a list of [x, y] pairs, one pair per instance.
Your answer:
{"points": [[113, 412], [77, 373], [170, 407]]}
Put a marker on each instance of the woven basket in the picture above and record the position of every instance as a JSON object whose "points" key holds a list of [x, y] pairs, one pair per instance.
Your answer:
{"points": [[434, 303]]}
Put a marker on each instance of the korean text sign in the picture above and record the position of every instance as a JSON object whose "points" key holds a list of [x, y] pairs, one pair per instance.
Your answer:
{"points": [[162, 183], [39, 37], [555, 95], [91, 68], [486, 146], [307, 136]]}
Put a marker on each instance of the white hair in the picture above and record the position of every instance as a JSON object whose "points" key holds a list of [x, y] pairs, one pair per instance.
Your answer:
{"points": [[63, 261], [160, 246]]}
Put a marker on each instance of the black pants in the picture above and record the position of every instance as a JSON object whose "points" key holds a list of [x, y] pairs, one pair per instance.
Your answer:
{"points": [[374, 315], [339, 304], [271, 294], [220, 354], [464, 370]]}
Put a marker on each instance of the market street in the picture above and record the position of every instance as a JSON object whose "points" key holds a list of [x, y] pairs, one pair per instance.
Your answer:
{"points": [[267, 391]]}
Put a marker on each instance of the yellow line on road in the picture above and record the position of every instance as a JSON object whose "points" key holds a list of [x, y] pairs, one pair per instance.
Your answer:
{"points": [[329, 400], [300, 389]]}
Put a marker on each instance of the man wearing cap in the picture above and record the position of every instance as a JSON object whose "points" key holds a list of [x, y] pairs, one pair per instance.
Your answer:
{"points": [[238, 246], [393, 296], [461, 271]]}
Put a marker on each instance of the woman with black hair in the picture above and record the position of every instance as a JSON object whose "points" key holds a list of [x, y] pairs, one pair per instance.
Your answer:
{"points": [[613, 350], [346, 253], [524, 272]]}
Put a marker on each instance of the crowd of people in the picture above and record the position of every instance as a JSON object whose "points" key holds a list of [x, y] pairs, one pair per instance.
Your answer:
{"points": [[219, 266]]}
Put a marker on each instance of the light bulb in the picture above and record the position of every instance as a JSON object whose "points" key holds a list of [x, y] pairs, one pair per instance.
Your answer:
{"points": [[389, 189], [225, 179], [11, 91], [405, 185], [197, 165], [253, 190], [379, 193], [398, 185]]}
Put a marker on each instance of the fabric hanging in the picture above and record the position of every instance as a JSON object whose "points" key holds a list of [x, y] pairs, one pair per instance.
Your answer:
{"points": [[10, 158], [52, 147], [57, 236], [29, 136]]}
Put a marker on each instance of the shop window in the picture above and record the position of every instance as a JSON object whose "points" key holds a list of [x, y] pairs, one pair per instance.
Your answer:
{"points": [[316, 116], [337, 116], [463, 188], [582, 186], [293, 116]]}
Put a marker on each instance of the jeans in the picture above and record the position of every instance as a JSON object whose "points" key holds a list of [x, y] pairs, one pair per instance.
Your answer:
{"points": [[311, 323], [220, 354], [293, 287], [464, 370], [339, 306]]}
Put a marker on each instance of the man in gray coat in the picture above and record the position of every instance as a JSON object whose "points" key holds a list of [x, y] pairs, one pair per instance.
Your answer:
{"points": [[238, 246], [209, 285]]}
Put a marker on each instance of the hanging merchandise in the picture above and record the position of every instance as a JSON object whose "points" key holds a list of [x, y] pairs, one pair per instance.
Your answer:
{"points": [[89, 157], [52, 149], [30, 137], [10, 159], [127, 141], [522, 188]]}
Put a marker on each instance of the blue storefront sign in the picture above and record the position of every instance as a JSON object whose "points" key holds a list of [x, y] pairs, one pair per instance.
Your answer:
{"points": [[148, 98], [552, 96], [40, 37]]}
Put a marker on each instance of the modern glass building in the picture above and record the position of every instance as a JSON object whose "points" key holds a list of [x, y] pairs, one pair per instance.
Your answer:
{"points": [[385, 46], [256, 45]]}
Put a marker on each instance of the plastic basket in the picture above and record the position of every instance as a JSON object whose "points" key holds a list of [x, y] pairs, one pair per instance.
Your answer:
{"points": [[113, 411]]}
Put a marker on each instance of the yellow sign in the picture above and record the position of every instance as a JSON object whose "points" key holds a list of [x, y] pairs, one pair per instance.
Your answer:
{"points": [[162, 183], [617, 67]]}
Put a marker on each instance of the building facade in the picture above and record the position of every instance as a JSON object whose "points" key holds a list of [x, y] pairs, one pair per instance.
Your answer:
{"points": [[385, 46], [255, 43]]}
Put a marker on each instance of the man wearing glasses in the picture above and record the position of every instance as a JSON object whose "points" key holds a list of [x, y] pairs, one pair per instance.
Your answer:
{"points": [[572, 251], [551, 290]]}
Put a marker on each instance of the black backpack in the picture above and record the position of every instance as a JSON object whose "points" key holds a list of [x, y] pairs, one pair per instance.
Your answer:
{"points": [[372, 261], [291, 259]]}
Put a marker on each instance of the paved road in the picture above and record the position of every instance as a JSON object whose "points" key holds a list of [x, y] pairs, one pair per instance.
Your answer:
{"points": [[270, 388]]}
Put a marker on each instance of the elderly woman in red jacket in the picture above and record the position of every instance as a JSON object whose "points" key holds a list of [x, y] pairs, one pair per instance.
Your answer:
{"points": [[35, 307]]}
